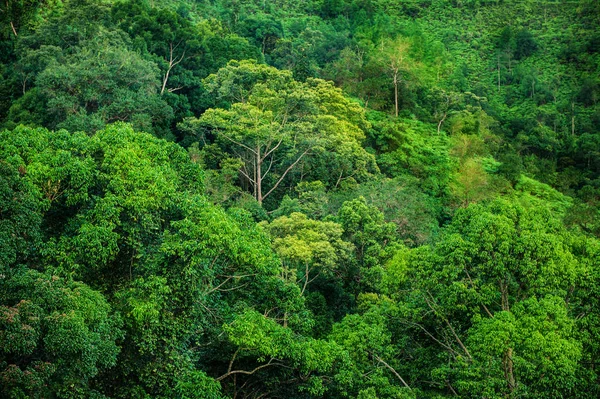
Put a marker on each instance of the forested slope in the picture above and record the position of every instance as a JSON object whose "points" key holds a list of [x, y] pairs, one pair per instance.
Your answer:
{"points": [[330, 198]]}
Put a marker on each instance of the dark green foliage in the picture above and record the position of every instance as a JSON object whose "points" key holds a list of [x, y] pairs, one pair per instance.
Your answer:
{"points": [[55, 336], [20, 216]]}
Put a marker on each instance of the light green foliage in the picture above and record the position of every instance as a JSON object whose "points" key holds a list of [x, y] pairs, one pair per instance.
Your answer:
{"points": [[255, 332], [471, 183], [234, 83], [539, 336], [258, 336], [372, 237], [535, 194], [197, 385], [309, 247], [279, 128], [414, 148], [43, 174], [138, 177]]}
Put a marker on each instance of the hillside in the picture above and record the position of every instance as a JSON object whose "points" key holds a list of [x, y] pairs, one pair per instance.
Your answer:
{"points": [[321, 199]]}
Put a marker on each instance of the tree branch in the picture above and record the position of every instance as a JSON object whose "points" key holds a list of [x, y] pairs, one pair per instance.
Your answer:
{"points": [[473, 285], [269, 168], [271, 150], [270, 363], [460, 343], [285, 173], [246, 176], [449, 348], [172, 64], [238, 143], [392, 370], [13, 28]]}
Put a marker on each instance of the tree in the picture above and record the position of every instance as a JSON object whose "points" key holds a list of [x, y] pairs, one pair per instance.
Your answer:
{"points": [[280, 123], [102, 82], [494, 295], [20, 212], [16, 14], [525, 44], [306, 246], [234, 82], [55, 336], [411, 147], [397, 60], [373, 365], [471, 182]]}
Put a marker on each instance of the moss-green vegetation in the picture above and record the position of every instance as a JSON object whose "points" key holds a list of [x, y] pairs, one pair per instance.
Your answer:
{"points": [[299, 199]]}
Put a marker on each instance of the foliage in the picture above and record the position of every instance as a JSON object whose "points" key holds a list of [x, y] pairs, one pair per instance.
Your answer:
{"points": [[325, 199], [279, 128], [55, 335]]}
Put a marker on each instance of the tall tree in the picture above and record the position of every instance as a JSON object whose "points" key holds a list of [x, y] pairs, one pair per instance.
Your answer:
{"points": [[280, 123]]}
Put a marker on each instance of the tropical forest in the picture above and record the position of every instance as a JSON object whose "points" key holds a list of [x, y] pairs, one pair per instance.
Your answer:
{"points": [[297, 199]]}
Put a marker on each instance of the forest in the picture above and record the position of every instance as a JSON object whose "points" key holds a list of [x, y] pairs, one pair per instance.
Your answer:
{"points": [[245, 199]]}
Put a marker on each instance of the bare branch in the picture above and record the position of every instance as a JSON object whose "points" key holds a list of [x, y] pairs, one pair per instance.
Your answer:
{"points": [[269, 168], [238, 143], [392, 370], [233, 288], [174, 89], [285, 173], [172, 63], [233, 359], [473, 285], [246, 176], [271, 150], [460, 343], [306, 273], [270, 363], [219, 286], [449, 348]]}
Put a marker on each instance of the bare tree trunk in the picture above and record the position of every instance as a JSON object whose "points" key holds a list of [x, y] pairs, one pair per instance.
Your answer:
{"points": [[254, 185], [572, 118], [498, 73], [172, 63], [259, 196], [439, 127], [396, 90]]}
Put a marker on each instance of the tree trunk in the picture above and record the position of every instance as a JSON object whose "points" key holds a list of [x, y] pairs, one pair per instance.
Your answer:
{"points": [[259, 196], [498, 73], [507, 364], [396, 91], [572, 118], [439, 127]]}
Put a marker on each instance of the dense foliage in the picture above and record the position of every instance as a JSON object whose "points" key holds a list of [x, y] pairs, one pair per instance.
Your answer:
{"points": [[327, 198]]}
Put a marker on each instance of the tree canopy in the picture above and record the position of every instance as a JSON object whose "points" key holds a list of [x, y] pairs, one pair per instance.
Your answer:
{"points": [[345, 199]]}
